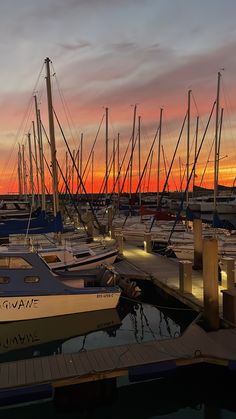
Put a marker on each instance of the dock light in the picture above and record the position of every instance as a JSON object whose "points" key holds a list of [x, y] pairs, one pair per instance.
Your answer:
{"points": [[145, 246]]}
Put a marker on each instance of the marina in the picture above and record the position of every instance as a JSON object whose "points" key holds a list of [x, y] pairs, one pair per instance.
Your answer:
{"points": [[118, 231]]}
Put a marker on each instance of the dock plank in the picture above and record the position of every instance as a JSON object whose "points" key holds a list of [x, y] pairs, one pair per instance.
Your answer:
{"points": [[4, 375], [21, 372], [70, 364], [45, 363], [89, 365]]}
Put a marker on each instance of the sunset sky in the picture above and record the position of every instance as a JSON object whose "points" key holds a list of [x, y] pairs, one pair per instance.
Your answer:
{"points": [[117, 53]]}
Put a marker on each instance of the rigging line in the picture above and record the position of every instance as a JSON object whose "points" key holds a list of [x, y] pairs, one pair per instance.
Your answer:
{"points": [[121, 166], [78, 174], [128, 165], [144, 168], [156, 305], [198, 113], [66, 184], [90, 155], [147, 160], [112, 125], [22, 122], [173, 158], [191, 173], [66, 108], [94, 143], [208, 158], [170, 168], [229, 108], [14, 145], [103, 185], [185, 168]]}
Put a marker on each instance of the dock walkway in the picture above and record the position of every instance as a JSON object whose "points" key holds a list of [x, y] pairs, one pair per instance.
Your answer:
{"points": [[133, 360], [164, 272], [140, 360]]}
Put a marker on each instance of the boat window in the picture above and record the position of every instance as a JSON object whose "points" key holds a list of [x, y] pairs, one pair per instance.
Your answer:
{"points": [[82, 255], [22, 206], [31, 279], [10, 206], [4, 279], [14, 262], [51, 258]]}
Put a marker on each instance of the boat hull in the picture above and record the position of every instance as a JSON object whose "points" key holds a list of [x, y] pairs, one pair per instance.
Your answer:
{"points": [[14, 308]]}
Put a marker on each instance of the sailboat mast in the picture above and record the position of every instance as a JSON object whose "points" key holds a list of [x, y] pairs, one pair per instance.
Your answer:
{"points": [[92, 180], [40, 144], [132, 153], [195, 152], [106, 163], [81, 160], [36, 158], [139, 158], [159, 157], [216, 159], [24, 171], [20, 172], [31, 169], [188, 142], [52, 139], [118, 170]]}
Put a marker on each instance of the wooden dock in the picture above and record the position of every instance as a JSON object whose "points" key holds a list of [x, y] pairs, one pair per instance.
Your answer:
{"points": [[137, 361], [164, 272]]}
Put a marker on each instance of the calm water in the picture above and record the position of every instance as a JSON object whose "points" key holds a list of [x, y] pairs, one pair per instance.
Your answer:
{"points": [[172, 398], [129, 323]]}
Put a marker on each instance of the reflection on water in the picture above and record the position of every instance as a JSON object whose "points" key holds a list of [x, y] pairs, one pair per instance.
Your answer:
{"points": [[129, 323], [178, 397]]}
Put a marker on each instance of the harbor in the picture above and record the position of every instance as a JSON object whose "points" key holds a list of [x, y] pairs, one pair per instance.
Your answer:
{"points": [[117, 210]]}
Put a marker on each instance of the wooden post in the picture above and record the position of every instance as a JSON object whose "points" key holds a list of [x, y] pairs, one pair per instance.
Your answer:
{"points": [[185, 276], [110, 218], [112, 232], [120, 244], [227, 272], [210, 283], [147, 242], [197, 234], [89, 224]]}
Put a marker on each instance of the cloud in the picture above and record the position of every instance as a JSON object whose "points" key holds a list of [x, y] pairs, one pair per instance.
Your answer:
{"points": [[75, 46]]}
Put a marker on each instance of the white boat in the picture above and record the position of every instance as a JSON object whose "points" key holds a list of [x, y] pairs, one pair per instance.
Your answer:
{"points": [[29, 290], [225, 204], [64, 258]]}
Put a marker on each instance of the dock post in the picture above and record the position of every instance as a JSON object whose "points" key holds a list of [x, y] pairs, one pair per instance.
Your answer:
{"points": [[227, 272], [197, 235], [147, 242], [89, 225], [120, 244], [185, 276], [110, 218], [210, 283], [112, 232]]}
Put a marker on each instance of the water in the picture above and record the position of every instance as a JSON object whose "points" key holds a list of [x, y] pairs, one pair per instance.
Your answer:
{"points": [[176, 397], [129, 323]]}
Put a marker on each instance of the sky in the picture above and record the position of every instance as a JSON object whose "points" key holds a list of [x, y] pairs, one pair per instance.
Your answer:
{"points": [[117, 53]]}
